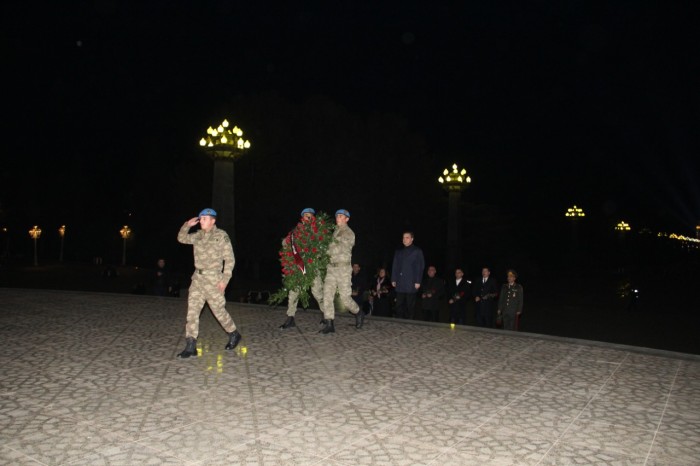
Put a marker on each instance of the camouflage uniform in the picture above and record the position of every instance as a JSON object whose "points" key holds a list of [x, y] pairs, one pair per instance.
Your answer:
{"points": [[293, 296], [339, 273], [316, 291], [213, 261]]}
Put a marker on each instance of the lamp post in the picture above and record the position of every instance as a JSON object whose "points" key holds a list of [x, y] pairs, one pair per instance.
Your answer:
{"points": [[62, 234], [35, 233], [125, 232], [6, 232], [622, 226], [454, 182], [224, 144], [574, 214]]}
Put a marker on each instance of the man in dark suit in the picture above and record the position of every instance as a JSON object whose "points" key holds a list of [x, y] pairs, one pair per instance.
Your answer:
{"points": [[406, 275], [458, 293], [485, 294], [432, 293]]}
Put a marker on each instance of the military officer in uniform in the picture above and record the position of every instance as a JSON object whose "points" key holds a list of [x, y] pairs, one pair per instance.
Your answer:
{"points": [[213, 261], [339, 274], [307, 215], [510, 301]]}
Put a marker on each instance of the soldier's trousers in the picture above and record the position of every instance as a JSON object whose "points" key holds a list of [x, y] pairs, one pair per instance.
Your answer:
{"points": [[338, 278], [203, 289], [508, 320], [293, 297]]}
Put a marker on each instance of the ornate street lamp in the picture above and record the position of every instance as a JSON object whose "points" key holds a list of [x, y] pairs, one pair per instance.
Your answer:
{"points": [[62, 234], [125, 232], [622, 226], [35, 233], [225, 142], [225, 145], [454, 182], [575, 212]]}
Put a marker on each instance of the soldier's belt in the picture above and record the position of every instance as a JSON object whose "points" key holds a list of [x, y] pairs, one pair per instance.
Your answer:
{"points": [[207, 272]]}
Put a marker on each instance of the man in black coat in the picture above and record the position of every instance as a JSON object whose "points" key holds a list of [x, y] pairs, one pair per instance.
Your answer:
{"points": [[485, 297], [458, 293], [406, 275], [432, 293]]}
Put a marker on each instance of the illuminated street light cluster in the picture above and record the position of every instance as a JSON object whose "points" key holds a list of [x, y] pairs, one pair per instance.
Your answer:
{"points": [[223, 141], [455, 180], [35, 233], [622, 226], [125, 232], [62, 234], [681, 238], [575, 212], [686, 242]]}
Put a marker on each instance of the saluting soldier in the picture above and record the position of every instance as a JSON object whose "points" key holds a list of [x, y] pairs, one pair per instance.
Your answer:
{"points": [[213, 262], [339, 274]]}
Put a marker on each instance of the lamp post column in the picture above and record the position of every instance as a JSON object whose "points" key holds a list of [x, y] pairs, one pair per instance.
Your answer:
{"points": [[454, 182], [125, 232], [35, 233], [62, 234], [224, 145], [574, 214], [222, 197], [454, 249]]}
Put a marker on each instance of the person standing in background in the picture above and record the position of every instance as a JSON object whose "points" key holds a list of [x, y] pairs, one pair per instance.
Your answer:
{"points": [[407, 273]]}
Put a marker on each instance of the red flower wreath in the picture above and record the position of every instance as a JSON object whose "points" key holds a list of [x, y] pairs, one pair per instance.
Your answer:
{"points": [[304, 256]]}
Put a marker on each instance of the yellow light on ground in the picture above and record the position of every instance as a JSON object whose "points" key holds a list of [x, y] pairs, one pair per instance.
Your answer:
{"points": [[452, 326], [622, 226]]}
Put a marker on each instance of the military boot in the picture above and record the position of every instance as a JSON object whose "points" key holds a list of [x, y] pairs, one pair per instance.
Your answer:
{"points": [[190, 348], [233, 339], [359, 319], [289, 323], [328, 327]]}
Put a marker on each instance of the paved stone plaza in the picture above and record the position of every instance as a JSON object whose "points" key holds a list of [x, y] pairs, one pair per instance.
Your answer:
{"points": [[92, 379]]}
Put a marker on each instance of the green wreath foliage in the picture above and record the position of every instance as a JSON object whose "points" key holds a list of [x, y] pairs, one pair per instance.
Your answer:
{"points": [[311, 240]]}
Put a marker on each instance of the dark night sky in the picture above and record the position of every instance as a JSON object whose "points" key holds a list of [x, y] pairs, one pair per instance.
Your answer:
{"points": [[545, 103]]}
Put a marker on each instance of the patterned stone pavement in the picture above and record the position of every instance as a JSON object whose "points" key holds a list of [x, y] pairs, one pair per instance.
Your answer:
{"points": [[92, 379]]}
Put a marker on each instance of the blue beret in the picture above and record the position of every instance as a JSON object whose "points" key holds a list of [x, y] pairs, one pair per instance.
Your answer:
{"points": [[343, 212], [308, 210], [208, 211]]}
